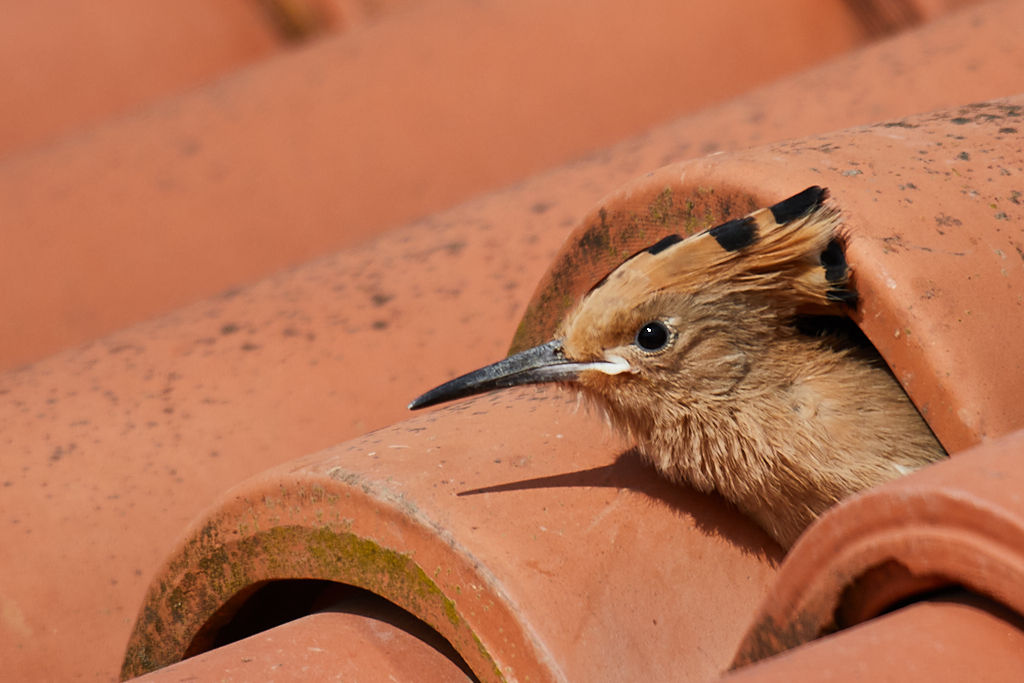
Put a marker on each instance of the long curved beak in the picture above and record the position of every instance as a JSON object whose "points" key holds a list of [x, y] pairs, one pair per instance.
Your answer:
{"points": [[539, 365]]}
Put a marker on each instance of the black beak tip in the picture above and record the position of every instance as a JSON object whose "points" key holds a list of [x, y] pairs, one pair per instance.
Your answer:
{"points": [[437, 395], [442, 394]]}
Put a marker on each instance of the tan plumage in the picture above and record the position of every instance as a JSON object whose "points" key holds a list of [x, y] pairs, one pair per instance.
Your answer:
{"points": [[693, 349]]}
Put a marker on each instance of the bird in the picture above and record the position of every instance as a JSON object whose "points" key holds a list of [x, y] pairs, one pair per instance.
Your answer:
{"points": [[728, 359]]}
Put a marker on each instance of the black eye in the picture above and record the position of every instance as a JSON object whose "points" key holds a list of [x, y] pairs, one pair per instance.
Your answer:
{"points": [[653, 336]]}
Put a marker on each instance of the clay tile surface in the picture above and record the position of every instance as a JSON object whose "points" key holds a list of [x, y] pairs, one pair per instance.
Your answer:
{"points": [[523, 531], [67, 65], [327, 145], [323, 646], [959, 638], [110, 449], [539, 617], [155, 211]]}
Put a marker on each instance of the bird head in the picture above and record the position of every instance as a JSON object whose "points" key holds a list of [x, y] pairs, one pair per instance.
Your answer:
{"points": [[698, 350], [680, 322]]}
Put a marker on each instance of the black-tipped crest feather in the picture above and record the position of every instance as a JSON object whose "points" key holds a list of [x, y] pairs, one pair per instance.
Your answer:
{"points": [[799, 204], [735, 234], [801, 262], [663, 244]]}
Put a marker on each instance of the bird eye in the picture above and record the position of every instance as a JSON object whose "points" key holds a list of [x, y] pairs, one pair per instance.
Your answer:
{"points": [[653, 336]]}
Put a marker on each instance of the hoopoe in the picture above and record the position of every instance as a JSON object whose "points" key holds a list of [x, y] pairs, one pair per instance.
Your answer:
{"points": [[697, 350]]}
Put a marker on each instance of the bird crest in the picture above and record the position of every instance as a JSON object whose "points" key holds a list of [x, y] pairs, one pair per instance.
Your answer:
{"points": [[791, 256], [791, 251]]}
